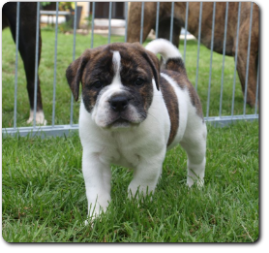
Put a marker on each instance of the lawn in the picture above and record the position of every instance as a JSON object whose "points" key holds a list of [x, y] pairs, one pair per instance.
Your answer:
{"points": [[44, 198], [43, 195]]}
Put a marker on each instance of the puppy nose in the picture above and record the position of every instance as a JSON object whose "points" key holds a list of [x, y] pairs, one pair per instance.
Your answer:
{"points": [[118, 103]]}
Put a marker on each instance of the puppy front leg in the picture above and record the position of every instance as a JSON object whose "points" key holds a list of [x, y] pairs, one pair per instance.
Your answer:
{"points": [[97, 177], [146, 176]]}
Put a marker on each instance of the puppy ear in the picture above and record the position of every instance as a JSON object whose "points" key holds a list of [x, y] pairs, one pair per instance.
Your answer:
{"points": [[154, 64], [74, 73]]}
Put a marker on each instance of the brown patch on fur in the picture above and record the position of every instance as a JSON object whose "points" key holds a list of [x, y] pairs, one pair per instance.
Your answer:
{"points": [[176, 64], [175, 68], [170, 99], [135, 51], [183, 82], [74, 73], [136, 63]]}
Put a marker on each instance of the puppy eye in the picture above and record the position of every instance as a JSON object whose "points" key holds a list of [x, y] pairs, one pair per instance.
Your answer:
{"points": [[97, 84], [139, 82]]}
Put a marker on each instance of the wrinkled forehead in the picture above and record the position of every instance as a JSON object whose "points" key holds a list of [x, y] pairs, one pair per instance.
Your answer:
{"points": [[118, 57]]}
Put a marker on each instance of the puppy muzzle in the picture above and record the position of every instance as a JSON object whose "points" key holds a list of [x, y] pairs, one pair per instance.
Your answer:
{"points": [[119, 103]]}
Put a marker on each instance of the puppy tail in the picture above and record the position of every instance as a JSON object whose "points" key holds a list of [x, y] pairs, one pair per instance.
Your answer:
{"points": [[172, 58]]}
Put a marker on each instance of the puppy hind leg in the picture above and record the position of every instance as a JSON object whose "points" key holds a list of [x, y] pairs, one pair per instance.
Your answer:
{"points": [[194, 144], [196, 172]]}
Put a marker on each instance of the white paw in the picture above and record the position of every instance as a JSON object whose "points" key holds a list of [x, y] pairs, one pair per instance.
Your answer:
{"points": [[91, 220], [40, 118], [86, 223], [198, 181]]}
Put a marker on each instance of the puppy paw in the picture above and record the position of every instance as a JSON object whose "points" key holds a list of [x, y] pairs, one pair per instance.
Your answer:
{"points": [[199, 183], [89, 221], [86, 222], [39, 119]]}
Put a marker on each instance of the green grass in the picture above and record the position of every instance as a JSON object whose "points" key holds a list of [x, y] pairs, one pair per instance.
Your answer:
{"points": [[43, 195], [46, 73], [44, 198], [65, 57]]}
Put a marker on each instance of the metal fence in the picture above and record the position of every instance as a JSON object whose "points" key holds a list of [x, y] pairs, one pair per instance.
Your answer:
{"points": [[53, 130]]}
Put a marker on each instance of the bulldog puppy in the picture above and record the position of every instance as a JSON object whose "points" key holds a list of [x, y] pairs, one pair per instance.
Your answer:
{"points": [[131, 113]]}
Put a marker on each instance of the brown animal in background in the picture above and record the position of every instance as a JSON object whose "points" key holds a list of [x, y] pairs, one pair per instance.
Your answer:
{"points": [[27, 45], [206, 29]]}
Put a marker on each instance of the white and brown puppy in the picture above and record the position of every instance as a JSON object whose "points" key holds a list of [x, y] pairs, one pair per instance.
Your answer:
{"points": [[131, 113]]}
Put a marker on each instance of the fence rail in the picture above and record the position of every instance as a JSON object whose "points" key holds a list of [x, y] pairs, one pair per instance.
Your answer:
{"points": [[59, 130]]}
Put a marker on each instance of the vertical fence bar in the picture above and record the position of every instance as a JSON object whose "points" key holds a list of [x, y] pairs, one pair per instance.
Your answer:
{"points": [[223, 55], [199, 39], [186, 28], [89, 14], [142, 22], [257, 84], [109, 20], [157, 20], [89, 9], [74, 56], [93, 16], [55, 65], [36, 59], [75, 32], [235, 57], [247, 67], [126, 21], [172, 21], [211, 56], [16, 64]]}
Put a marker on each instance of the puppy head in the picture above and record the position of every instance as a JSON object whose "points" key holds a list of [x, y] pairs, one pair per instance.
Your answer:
{"points": [[117, 83]]}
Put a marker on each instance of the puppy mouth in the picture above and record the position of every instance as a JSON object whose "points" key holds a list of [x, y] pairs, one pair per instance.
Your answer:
{"points": [[121, 122]]}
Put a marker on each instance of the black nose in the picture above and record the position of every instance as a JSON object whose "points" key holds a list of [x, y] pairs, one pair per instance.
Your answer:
{"points": [[119, 103]]}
